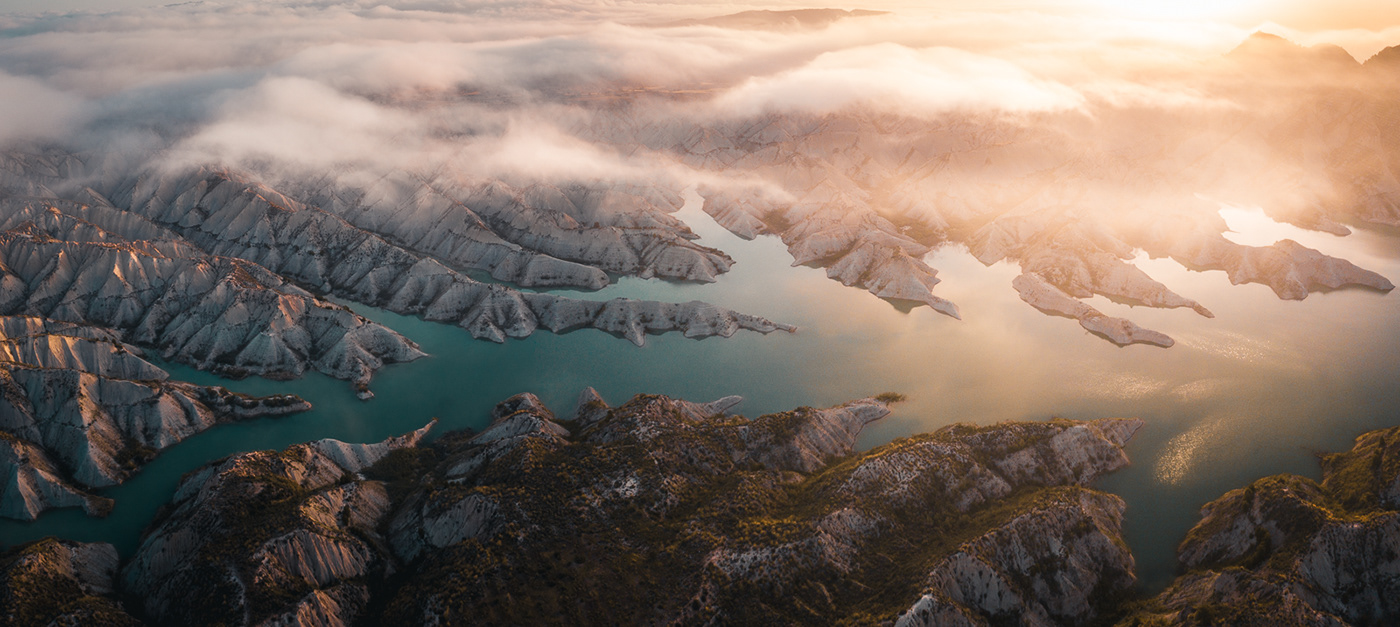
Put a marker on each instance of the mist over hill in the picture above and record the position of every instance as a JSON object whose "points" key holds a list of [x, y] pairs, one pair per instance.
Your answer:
{"points": [[227, 187]]}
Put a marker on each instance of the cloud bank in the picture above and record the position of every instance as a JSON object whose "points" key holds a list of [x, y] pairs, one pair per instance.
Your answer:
{"points": [[516, 88]]}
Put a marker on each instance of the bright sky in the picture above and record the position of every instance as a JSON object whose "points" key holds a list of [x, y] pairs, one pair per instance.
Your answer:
{"points": [[1303, 15]]}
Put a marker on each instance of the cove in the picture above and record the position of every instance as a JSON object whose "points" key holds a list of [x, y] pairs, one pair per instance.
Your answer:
{"points": [[1258, 390]]}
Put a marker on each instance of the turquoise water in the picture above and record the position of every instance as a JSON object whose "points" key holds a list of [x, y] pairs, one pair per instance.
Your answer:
{"points": [[1256, 391]]}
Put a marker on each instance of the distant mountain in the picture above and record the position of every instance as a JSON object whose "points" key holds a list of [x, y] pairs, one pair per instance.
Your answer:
{"points": [[1385, 59], [773, 20], [1266, 47]]}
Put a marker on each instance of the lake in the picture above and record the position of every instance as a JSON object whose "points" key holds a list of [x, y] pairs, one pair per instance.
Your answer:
{"points": [[1258, 390]]}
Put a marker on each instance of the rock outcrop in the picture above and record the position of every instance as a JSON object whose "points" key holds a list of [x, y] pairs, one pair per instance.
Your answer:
{"points": [[698, 516], [269, 538], [58, 582], [1290, 269], [868, 193], [754, 513], [540, 234], [1287, 550], [34, 483], [1020, 574], [222, 314], [253, 230], [833, 228], [1046, 297], [695, 516], [79, 410]]}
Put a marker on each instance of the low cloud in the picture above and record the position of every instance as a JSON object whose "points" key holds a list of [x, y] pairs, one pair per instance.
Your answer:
{"points": [[517, 89], [902, 80], [296, 120], [31, 111]]}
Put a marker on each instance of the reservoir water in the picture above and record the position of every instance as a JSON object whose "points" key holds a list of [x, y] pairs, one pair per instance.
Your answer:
{"points": [[1258, 390]]}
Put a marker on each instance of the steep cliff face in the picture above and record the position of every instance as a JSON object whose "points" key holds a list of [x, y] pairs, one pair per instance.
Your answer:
{"points": [[702, 517], [1287, 550], [57, 582], [79, 409], [277, 538]]}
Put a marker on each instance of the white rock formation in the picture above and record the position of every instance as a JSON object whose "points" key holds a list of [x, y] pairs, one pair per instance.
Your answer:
{"points": [[216, 313], [817, 437], [858, 247], [236, 317], [33, 483], [353, 458], [866, 194], [80, 410], [1046, 297], [1289, 268]]}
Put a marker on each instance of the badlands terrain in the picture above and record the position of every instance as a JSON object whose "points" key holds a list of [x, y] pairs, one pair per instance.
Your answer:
{"points": [[246, 271], [695, 516], [147, 239]]}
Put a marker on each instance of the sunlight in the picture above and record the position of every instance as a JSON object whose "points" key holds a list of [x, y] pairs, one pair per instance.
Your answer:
{"points": [[1187, 10]]}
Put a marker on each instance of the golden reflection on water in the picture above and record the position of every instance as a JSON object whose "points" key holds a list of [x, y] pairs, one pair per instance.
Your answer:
{"points": [[1186, 450], [1250, 226], [1201, 389], [1127, 386], [1239, 347]]}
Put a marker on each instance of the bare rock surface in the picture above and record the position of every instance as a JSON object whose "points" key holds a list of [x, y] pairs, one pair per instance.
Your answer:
{"points": [[1046, 297], [217, 313], [81, 410], [269, 538], [693, 514], [59, 582], [775, 503], [869, 195]]}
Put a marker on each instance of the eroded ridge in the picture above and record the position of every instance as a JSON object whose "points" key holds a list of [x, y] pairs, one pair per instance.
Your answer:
{"points": [[81, 410], [696, 514]]}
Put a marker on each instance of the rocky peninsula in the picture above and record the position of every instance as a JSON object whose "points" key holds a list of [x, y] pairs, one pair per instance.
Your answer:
{"points": [[81, 410], [705, 516], [1287, 550], [699, 516]]}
